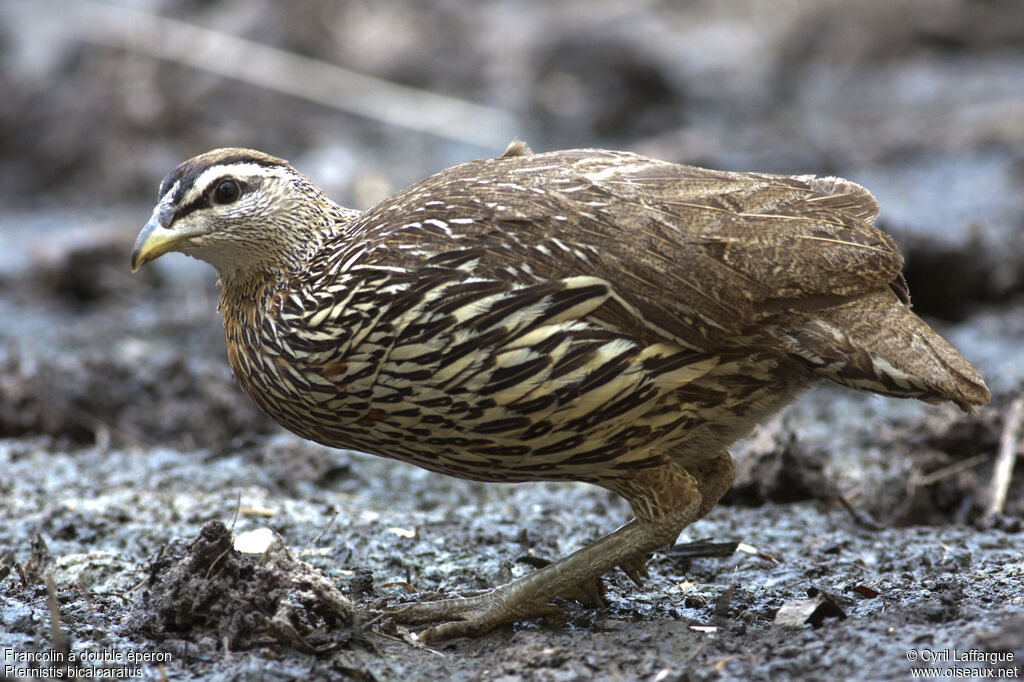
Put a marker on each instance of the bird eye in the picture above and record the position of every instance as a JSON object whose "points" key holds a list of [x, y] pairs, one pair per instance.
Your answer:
{"points": [[226, 192]]}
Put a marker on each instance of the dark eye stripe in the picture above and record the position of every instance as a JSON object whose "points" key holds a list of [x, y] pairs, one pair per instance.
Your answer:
{"points": [[184, 177], [198, 203], [205, 200]]}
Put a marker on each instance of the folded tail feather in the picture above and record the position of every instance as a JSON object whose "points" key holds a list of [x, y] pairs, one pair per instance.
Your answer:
{"points": [[876, 343]]}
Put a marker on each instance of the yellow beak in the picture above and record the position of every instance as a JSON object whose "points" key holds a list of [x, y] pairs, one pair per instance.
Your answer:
{"points": [[156, 238]]}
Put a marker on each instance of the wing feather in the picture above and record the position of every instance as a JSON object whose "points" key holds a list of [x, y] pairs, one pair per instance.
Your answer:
{"points": [[697, 253]]}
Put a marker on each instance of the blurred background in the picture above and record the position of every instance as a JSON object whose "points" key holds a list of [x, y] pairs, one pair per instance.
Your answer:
{"points": [[120, 426]]}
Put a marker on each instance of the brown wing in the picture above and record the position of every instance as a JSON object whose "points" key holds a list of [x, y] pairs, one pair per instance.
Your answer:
{"points": [[700, 254]]}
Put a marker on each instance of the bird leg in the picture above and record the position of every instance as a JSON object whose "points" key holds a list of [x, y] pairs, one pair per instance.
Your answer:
{"points": [[666, 499]]}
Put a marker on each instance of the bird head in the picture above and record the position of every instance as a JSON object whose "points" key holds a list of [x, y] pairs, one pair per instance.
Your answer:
{"points": [[240, 210]]}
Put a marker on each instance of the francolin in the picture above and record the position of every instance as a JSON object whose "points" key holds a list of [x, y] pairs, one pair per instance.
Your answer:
{"points": [[578, 315]]}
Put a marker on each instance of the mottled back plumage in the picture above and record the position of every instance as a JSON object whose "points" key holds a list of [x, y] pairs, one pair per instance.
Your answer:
{"points": [[586, 315]]}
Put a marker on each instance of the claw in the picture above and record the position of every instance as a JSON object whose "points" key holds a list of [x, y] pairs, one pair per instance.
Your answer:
{"points": [[636, 570]]}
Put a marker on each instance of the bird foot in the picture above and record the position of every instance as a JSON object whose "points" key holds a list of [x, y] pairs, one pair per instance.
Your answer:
{"points": [[529, 597], [575, 576], [472, 616], [475, 615], [591, 593]]}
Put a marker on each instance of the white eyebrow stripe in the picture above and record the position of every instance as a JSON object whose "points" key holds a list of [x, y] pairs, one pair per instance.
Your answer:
{"points": [[214, 173]]}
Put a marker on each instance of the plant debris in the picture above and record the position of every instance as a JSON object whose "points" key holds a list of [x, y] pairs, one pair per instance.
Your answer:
{"points": [[207, 588]]}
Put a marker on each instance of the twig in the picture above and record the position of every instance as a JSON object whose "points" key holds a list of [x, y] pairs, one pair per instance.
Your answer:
{"points": [[861, 518], [921, 481], [234, 515], [1002, 472], [701, 548], [292, 74], [216, 561], [319, 536], [59, 640]]}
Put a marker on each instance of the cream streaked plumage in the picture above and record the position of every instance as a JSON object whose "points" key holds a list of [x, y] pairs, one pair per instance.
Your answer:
{"points": [[576, 315]]}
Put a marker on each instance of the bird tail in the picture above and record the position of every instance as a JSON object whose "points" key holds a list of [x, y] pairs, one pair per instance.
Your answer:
{"points": [[876, 343]]}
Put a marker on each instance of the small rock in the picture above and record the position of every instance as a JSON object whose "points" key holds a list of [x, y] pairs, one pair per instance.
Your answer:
{"points": [[814, 611]]}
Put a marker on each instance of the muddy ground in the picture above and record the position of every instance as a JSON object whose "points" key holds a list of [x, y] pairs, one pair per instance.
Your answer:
{"points": [[855, 544]]}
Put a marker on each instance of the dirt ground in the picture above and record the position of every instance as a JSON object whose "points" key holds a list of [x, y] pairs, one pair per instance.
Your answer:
{"points": [[154, 524]]}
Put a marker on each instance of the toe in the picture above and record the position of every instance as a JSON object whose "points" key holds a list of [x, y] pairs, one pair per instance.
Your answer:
{"points": [[589, 593], [636, 570]]}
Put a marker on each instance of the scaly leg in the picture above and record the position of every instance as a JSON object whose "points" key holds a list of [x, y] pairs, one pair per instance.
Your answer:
{"points": [[665, 499]]}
